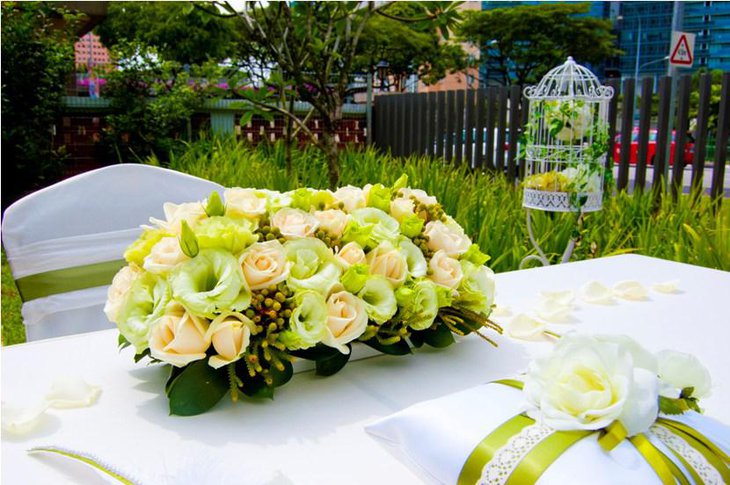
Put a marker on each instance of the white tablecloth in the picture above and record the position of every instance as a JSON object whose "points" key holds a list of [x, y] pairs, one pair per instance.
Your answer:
{"points": [[312, 433]]}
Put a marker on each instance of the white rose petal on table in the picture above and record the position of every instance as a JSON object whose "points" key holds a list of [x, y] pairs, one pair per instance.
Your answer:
{"points": [[564, 297], [72, 392], [630, 290], [553, 311], [500, 311], [20, 420], [670, 286], [524, 327], [596, 293]]}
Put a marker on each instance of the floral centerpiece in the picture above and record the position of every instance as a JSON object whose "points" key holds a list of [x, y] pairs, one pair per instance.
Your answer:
{"points": [[230, 291]]}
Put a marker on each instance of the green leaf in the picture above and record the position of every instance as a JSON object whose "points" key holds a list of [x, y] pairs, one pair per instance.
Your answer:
{"points": [[122, 342], [331, 365], [174, 372], [281, 377], [196, 389], [399, 348], [215, 205], [439, 337], [256, 387], [417, 339], [671, 406], [318, 352], [188, 241], [141, 355], [246, 117]]}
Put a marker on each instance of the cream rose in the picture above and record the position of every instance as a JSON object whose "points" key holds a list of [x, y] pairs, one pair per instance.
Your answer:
{"points": [[230, 334], [294, 223], [265, 264], [179, 338], [190, 212], [347, 319], [351, 253], [448, 237], [402, 208], [118, 290], [388, 261], [351, 197], [420, 195], [248, 203], [444, 270], [678, 371], [164, 256], [333, 221], [588, 383]]}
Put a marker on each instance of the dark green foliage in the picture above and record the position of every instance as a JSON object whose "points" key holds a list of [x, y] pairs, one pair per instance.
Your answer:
{"points": [[37, 56]]}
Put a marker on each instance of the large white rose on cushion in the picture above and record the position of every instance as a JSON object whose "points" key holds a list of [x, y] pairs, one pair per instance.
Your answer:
{"points": [[294, 223], [164, 256], [333, 221], [248, 203], [265, 264], [678, 371], [351, 197], [117, 293], [588, 383], [448, 237], [388, 261], [179, 338], [445, 271], [175, 214], [347, 319]]}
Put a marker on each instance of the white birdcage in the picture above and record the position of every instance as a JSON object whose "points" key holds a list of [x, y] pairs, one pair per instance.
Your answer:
{"points": [[566, 140]]}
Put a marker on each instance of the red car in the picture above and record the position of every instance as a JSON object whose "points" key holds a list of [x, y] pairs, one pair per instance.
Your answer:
{"points": [[689, 148]]}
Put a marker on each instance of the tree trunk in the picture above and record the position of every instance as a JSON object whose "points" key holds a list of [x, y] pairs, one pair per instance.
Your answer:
{"points": [[331, 152]]}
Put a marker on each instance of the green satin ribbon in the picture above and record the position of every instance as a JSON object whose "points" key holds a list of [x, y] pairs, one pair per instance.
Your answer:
{"points": [[713, 454], [659, 462], [614, 434], [68, 279]]}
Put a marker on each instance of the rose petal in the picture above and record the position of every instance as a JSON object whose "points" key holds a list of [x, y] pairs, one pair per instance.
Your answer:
{"points": [[629, 290], [525, 328], [553, 311], [564, 297], [595, 292], [20, 420], [670, 286], [72, 392], [501, 311]]}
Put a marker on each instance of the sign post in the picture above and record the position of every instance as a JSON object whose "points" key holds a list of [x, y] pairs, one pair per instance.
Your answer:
{"points": [[681, 55]]}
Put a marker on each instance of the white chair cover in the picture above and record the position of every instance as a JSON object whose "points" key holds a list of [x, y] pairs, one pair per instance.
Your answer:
{"points": [[89, 218]]}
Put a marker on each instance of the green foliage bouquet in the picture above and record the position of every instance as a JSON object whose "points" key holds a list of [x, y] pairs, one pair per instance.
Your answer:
{"points": [[231, 293]]}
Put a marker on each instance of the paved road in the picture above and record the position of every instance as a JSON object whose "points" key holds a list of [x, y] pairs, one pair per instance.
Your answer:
{"points": [[686, 179]]}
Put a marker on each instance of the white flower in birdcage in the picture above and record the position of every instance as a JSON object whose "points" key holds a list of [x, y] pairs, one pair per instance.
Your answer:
{"points": [[566, 140]]}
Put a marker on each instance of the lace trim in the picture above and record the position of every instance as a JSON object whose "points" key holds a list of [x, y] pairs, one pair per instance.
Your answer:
{"points": [[559, 201], [506, 459], [707, 473]]}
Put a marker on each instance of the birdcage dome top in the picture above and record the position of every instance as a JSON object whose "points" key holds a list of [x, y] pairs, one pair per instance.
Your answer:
{"points": [[569, 81]]}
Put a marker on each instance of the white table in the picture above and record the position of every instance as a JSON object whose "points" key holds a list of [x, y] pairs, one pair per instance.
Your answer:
{"points": [[312, 433]]}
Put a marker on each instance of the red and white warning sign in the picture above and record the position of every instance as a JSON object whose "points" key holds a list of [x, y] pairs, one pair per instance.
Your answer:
{"points": [[682, 49]]}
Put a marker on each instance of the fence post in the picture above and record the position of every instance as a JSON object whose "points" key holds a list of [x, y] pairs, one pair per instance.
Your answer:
{"points": [[514, 131], [491, 119], [698, 162], [431, 125], [524, 112], [469, 127], [660, 156], [644, 126], [450, 119], [612, 117], [723, 133], [680, 140], [627, 129], [419, 124], [502, 94], [459, 131], [480, 115], [441, 124]]}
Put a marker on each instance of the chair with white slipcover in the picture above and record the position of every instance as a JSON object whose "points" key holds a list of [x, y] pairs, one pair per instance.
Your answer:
{"points": [[64, 243]]}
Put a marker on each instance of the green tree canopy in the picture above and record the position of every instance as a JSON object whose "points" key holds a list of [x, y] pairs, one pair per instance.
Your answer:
{"points": [[522, 43]]}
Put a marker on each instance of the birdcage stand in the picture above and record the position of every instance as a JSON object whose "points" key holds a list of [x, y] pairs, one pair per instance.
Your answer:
{"points": [[540, 256]]}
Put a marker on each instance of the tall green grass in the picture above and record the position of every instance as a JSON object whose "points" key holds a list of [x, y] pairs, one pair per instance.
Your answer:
{"points": [[486, 205]]}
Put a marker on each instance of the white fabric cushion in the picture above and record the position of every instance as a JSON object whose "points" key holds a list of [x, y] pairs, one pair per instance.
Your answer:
{"points": [[434, 439]]}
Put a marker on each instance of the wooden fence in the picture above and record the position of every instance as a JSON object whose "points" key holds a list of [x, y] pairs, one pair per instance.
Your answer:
{"points": [[482, 128]]}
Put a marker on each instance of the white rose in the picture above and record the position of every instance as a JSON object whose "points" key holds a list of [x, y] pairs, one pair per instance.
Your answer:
{"points": [[164, 256], [265, 264], [179, 338], [420, 195], [445, 271], [351, 197], [388, 261], [118, 290], [333, 221], [351, 253], [448, 237], [190, 212], [230, 334], [347, 319], [294, 223], [401, 208], [678, 370], [245, 202], [588, 383]]}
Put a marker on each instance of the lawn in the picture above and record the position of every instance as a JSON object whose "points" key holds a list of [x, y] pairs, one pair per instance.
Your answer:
{"points": [[689, 230]]}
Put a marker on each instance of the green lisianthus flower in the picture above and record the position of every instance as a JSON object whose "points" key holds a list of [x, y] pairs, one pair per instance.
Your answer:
{"points": [[233, 235], [411, 226], [313, 265], [370, 226], [355, 277], [308, 321], [379, 197], [419, 303], [308, 199], [141, 248], [475, 255], [417, 266], [476, 291], [144, 304], [209, 283], [379, 298]]}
